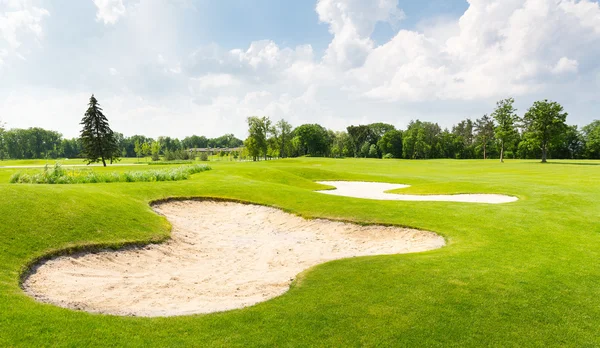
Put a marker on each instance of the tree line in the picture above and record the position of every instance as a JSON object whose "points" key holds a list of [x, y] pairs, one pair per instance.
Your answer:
{"points": [[36, 142], [541, 132]]}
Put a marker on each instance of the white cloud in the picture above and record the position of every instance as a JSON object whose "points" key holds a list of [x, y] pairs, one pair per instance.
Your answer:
{"points": [[21, 31], [352, 22], [19, 18], [3, 53], [443, 70], [501, 48], [587, 12], [216, 81], [565, 65], [109, 11]]}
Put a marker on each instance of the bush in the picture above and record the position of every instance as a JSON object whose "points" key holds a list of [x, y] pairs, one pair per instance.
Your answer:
{"points": [[203, 156], [388, 156], [373, 151], [169, 155], [58, 175], [184, 155]]}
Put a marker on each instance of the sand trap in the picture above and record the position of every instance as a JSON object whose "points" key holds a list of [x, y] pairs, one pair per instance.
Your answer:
{"points": [[221, 256], [376, 190]]}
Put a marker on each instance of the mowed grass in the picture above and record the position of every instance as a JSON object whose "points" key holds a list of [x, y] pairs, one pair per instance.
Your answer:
{"points": [[519, 274], [68, 162]]}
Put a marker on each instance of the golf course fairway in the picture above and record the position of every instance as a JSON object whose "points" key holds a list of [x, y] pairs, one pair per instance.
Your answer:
{"points": [[524, 273]]}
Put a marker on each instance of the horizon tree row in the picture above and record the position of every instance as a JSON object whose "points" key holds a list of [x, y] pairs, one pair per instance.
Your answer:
{"points": [[39, 143], [541, 132]]}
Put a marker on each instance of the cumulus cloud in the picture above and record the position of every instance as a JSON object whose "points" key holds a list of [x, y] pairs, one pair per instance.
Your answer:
{"points": [[3, 53], [352, 22], [497, 48], [444, 69], [109, 11], [565, 65], [18, 19], [216, 81], [502, 47]]}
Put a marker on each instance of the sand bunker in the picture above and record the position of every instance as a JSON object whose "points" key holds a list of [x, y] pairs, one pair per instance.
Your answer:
{"points": [[376, 190], [221, 256]]}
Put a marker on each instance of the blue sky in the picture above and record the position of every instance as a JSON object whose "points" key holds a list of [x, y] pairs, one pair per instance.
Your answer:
{"points": [[181, 67]]}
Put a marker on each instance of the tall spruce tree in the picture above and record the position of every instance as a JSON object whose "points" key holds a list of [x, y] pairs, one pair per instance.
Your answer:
{"points": [[97, 139]]}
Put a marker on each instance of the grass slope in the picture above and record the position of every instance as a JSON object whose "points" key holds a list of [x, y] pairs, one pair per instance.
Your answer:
{"points": [[518, 274]]}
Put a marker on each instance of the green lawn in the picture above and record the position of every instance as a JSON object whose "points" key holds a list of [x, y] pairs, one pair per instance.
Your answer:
{"points": [[518, 274], [79, 161], [66, 162]]}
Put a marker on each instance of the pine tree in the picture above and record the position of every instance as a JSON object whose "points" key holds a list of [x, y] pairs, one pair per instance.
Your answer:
{"points": [[97, 139]]}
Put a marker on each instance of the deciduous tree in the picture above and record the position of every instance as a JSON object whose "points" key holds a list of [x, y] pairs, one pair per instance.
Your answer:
{"points": [[484, 133], [545, 121], [155, 150], [314, 139], [283, 136], [463, 132], [253, 148], [591, 135], [2, 141], [146, 149], [341, 145], [391, 143], [505, 129], [258, 129], [138, 149], [358, 136]]}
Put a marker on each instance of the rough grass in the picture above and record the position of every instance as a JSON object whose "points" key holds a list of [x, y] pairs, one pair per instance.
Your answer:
{"points": [[59, 175], [523, 274]]}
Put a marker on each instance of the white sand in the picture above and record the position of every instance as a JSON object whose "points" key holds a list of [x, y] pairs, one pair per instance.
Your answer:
{"points": [[376, 190], [221, 256]]}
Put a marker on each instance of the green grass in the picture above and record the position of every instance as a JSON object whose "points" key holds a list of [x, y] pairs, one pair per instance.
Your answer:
{"points": [[59, 175], [166, 163], [520, 274], [68, 162], [41, 162]]}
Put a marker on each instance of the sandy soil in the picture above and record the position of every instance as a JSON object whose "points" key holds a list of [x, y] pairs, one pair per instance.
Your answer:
{"points": [[221, 256], [376, 190]]}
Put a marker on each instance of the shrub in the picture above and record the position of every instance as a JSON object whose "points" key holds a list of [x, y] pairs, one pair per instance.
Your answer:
{"points": [[58, 175], [373, 151], [388, 156], [170, 155], [203, 156], [184, 155]]}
